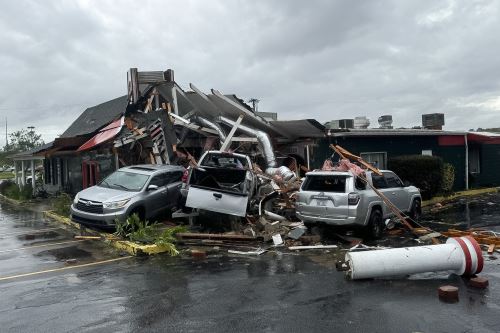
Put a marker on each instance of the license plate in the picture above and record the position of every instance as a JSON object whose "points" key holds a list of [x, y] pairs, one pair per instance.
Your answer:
{"points": [[321, 203]]}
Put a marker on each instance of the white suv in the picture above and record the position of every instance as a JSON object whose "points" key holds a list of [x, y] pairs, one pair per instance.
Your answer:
{"points": [[341, 199]]}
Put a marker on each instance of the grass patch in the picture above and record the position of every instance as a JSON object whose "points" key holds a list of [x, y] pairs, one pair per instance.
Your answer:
{"points": [[61, 205], [11, 190], [6, 175]]}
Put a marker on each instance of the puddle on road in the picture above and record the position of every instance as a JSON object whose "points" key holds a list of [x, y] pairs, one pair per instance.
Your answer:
{"points": [[65, 253], [465, 213], [40, 235]]}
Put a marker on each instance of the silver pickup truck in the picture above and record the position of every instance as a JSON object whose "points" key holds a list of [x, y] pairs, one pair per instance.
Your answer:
{"points": [[222, 182], [341, 199]]}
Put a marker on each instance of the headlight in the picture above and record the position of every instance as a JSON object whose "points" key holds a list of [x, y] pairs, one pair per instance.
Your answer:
{"points": [[115, 204], [75, 200]]}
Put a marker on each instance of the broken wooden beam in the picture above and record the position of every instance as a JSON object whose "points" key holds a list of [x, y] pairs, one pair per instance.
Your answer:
{"points": [[182, 235], [312, 247], [88, 237]]}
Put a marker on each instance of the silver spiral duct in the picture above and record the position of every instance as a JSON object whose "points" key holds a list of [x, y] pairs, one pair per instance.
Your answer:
{"points": [[262, 137], [207, 123]]}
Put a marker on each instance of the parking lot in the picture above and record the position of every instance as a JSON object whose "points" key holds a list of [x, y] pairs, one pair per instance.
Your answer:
{"points": [[31, 245], [279, 291]]}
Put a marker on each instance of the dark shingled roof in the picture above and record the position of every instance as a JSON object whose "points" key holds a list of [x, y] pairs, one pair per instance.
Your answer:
{"points": [[96, 117], [33, 151]]}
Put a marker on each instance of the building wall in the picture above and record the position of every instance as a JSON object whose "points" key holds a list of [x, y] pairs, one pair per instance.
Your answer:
{"points": [[397, 146], [68, 170], [489, 174]]}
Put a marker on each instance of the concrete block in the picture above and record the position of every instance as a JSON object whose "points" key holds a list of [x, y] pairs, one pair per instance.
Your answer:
{"points": [[448, 294], [198, 254], [479, 282]]}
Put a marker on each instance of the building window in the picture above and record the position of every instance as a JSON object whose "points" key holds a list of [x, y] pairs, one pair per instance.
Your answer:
{"points": [[47, 171], [474, 160], [377, 159], [427, 152]]}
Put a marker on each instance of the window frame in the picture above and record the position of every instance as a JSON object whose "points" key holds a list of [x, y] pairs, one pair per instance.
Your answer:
{"points": [[384, 153], [474, 158], [393, 175]]}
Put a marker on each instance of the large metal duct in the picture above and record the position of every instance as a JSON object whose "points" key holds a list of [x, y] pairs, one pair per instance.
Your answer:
{"points": [[262, 137], [207, 123]]}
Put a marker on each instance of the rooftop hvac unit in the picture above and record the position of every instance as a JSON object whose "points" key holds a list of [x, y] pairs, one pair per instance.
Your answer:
{"points": [[433, 121], [361, 122], [342, 124], [385, 121]]}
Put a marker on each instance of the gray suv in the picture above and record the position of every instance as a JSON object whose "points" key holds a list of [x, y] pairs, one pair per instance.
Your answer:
{"points": [[148, 190], [341, 199]]}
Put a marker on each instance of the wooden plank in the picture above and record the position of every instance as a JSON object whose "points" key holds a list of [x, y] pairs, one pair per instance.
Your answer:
{"points": [[229, 137], [243, 139], [215, 236], [345, 154]]}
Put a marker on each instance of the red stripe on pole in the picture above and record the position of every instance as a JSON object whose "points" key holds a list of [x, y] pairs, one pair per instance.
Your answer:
{"points": [[468, 258], [479, 253]]}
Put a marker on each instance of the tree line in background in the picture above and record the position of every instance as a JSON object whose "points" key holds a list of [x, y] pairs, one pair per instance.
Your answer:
{"points": [[19, 141]]}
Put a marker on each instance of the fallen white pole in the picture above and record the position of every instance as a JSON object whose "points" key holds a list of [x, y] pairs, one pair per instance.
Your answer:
{"points": [[460, 255]]}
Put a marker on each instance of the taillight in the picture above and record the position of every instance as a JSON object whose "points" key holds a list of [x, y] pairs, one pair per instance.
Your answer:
{"points": [[353, 198], [185, 176]]}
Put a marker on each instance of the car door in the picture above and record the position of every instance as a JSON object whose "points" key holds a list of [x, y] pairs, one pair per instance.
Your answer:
{"points": [[380, 183], [173, 183], [396, 191], [155, 198]]}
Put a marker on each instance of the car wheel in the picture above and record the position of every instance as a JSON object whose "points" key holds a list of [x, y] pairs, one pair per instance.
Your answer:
{"points": [[416, 210], [375, 227], [140, 212]]}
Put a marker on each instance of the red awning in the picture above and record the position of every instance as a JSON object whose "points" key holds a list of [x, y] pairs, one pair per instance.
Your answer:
{"points": [[107, 133], [484, 138]]}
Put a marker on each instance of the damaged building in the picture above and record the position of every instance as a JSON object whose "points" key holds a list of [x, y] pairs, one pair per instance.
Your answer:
{"points": [[158, 122]]}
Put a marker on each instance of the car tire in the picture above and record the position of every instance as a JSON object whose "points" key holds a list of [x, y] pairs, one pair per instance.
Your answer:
{"points": [[416, 210], [140, 212], [375, 227]]}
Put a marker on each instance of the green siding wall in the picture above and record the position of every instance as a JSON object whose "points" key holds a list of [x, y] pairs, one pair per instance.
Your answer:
{"points": [[489, 167], [396, 146]]}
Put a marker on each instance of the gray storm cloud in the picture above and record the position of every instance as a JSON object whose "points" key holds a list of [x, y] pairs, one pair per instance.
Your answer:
{"points": [[321, 59]]}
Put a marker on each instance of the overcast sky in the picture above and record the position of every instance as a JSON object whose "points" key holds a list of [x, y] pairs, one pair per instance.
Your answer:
{"points": [[303, 59]]}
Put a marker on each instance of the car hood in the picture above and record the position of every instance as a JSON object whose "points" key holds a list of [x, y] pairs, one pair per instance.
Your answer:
{"points": [[101, 194]]}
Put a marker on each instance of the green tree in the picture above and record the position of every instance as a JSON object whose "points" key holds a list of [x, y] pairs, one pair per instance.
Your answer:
{"points": [[23, 140]]}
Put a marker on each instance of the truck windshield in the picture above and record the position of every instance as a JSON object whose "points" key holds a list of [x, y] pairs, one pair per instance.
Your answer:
{"points": [[224, 161], [123, 180], [323, 183]]}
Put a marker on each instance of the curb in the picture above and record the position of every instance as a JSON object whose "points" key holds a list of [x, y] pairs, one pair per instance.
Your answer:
{"points": [[13, 201], [122, 245], [468, 193]]}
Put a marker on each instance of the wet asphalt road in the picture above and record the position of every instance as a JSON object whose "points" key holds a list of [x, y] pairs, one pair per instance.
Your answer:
{"points": [[276, 292]]}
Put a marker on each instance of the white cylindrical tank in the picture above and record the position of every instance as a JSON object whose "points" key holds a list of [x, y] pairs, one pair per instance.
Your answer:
{"points": [[460, 255]]}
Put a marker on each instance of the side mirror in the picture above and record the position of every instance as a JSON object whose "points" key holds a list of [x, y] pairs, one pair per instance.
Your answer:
{"points": [[152, 187], [406, 183]]}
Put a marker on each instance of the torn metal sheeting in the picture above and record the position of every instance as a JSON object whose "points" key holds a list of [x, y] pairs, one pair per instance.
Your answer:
{"points": [[296, 233], [277, 240]]}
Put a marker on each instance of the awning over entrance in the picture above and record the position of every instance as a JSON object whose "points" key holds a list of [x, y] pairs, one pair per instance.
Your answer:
{"points": [[105, 134]]}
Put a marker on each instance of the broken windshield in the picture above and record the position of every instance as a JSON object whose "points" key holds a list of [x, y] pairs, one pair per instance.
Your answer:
{"points": [[323, 183], [225, 161], [127, 181]]}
